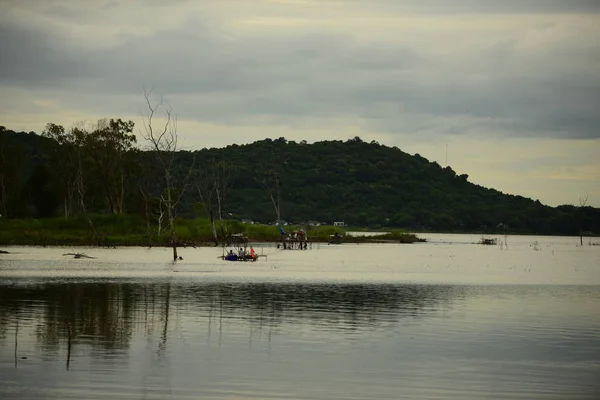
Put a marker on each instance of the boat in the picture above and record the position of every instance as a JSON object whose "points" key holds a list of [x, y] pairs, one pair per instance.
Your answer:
{"points": [[488, 241], [240, 253], [237, 257]]}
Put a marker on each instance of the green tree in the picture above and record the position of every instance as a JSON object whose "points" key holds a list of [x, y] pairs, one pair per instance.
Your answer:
{"points": [[110, 146], [12, 168], [4, 165], [40, 192], [64, 164]]}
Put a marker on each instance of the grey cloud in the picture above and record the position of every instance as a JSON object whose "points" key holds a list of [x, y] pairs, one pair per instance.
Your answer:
{"points": [[33, 58], [393, 86], [503, 7], [64, 12]]}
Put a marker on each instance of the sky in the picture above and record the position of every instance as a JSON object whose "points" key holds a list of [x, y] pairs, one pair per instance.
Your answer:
{"points": [[507, 92]]}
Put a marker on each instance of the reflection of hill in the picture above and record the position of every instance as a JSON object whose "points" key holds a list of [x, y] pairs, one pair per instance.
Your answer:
{"points": [[345, 306], [107, 314]]}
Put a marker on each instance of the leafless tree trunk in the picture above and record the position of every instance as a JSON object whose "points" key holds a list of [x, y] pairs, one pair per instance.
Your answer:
{"points": [[68, 200], [161, 215], [163, 141], [147, 214], [274, 194], [277, 204], [205, 192], [212, 189]]}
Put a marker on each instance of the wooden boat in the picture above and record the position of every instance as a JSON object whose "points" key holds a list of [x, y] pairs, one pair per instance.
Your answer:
{"points": [[243, 254], [235, 257]]}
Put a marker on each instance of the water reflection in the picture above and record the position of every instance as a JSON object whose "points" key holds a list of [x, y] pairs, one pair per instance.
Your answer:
{"points": [[104, 313], [195, 339]]}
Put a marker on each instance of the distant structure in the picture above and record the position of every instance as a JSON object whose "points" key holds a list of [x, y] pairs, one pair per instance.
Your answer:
{"points": [[293, 240], [339, 223]]}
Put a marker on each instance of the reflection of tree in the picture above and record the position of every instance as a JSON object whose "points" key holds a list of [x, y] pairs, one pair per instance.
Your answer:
{"points": [[163, 338], [344, 306], [16, 341], [106, 314], [100, 313]]}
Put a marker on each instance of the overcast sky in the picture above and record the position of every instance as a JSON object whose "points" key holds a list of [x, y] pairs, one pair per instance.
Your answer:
{"points": [[510, 88]]}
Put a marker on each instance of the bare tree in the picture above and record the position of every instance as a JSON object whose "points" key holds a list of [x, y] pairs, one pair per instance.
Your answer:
{"points": [[163, 141], [212, 188], [147, 199], [274, 194], [146, 171], [582, 202], [270, 181]]}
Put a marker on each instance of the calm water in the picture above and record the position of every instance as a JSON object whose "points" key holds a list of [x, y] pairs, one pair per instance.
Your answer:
{"points": [[447, 319]]}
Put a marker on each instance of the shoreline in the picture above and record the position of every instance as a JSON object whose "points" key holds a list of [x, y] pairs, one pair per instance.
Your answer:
{"points": [[354, 240]]}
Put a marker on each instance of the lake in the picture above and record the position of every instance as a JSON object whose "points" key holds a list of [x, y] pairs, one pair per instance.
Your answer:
{"points": [[446, 319]]}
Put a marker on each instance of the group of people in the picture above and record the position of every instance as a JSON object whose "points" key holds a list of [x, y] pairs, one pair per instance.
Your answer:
{"points": [[242, 253]]}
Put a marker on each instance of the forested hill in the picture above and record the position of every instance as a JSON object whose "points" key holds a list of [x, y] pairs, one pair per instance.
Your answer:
{"points": [[368, 184], [360, 183]]}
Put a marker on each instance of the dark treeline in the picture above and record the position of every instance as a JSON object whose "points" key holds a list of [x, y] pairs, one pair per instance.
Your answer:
{"points": [[100, 169]]}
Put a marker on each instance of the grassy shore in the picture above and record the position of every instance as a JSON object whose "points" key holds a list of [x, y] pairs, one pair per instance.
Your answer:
{"points": [[131, 230]]}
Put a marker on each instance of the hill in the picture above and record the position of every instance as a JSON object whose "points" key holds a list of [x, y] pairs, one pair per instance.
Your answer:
{"points": [[368, 184], [360, 183]]}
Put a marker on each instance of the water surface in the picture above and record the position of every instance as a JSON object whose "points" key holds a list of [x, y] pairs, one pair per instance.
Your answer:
{"points": [[447, 319]]}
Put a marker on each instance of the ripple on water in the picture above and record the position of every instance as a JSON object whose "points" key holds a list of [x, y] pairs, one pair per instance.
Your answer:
{"points": [[251, 333]]}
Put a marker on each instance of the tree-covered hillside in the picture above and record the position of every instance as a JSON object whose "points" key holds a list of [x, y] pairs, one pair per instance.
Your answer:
{"points": [[369, 184], [365, 184]]}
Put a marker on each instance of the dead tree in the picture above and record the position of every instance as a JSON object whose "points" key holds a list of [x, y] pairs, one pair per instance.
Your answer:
{"points": [[163, 141], [212, 188], [276, 198], [270, 181]]}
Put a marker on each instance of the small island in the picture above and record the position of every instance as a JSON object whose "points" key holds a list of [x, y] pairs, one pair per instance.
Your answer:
{"points": [[132, 230]]}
